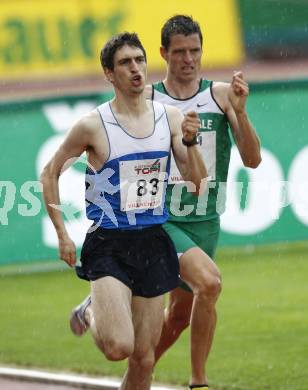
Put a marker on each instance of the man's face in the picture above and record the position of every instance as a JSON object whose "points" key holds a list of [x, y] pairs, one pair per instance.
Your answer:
{"points": [[129, 72], [183, 56]]}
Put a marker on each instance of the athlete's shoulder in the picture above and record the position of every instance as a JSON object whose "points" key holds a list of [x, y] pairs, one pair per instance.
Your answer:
{"points": [[174, 116], [220, 87], [89, 123], [148, 91], [204, 84], [172, 110], [220, 93]]}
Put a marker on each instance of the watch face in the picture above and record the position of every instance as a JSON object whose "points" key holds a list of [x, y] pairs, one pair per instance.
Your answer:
{"points": [[193, 142]]}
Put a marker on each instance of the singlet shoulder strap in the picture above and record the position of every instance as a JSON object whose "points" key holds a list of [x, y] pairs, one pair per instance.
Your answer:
{"points": [[159, 111], [159, 86], [204, 84], [106, 114]]}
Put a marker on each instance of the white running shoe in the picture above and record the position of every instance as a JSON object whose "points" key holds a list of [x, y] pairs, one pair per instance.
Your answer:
{"points": [[78, 321]]}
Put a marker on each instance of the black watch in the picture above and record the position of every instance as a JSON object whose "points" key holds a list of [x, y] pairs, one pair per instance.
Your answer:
{"points": [[193, 142]]}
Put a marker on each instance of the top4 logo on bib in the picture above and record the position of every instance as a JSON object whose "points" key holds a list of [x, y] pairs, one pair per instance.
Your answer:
{"points": [[142, 183]]}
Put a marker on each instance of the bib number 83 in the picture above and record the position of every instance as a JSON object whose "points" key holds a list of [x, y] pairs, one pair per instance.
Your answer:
{"points": [[142, 187]]}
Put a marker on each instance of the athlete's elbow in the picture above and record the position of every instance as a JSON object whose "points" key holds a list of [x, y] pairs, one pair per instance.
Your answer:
{"points": [[44, 176], [200, 186], [253, 162], [47, 175]]}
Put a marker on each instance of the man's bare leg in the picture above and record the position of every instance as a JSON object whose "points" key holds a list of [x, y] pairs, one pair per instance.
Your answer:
{"points": [[203, 276], [176, 319], [110, 318], [148, 320]]}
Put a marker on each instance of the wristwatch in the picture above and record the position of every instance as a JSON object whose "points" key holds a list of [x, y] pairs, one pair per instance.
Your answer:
{"points": [[194, 141]]}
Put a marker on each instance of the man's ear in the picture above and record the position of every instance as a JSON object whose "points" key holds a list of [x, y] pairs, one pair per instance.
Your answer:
{"points": [[163, 52], [109, 75]]}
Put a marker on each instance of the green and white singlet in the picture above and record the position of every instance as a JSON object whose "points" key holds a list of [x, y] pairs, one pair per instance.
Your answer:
{"points": [[215, 141]]}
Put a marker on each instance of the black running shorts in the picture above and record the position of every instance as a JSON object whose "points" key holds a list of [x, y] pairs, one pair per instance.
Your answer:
{"points": [[144, 260]]}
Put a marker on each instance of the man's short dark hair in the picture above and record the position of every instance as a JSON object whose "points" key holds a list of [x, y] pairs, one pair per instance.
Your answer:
{"points": [[115, 43], [179, 24]]}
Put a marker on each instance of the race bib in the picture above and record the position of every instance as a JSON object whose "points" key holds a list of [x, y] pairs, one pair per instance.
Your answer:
{"points": [[142, 183], [207, 140]]}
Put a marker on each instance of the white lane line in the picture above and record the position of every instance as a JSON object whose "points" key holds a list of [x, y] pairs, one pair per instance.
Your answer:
{"points": [[69, 379]]}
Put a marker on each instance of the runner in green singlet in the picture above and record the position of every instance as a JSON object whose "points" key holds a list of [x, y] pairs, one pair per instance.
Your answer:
{"points": [[194, 221]]}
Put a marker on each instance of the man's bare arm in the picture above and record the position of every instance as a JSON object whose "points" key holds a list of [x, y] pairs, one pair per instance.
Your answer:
{"points": [[188, 159], [232, 98], [77, 141]]}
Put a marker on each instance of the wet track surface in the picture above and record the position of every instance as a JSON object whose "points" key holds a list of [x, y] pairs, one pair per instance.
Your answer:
{"points": [[13, 384]]}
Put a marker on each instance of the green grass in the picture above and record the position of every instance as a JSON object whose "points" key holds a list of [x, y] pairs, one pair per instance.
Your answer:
{"points": [[261, 340]]}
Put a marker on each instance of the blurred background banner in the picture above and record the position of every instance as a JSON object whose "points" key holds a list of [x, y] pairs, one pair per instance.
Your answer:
{"points": [[64, 37], [265, 205], [30, 134], [277, 30], [270, 204]]}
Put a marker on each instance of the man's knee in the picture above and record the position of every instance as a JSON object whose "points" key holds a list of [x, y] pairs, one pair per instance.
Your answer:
{"points": [[116, 349], [144, 360], [201, 273], [209, 286]]}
